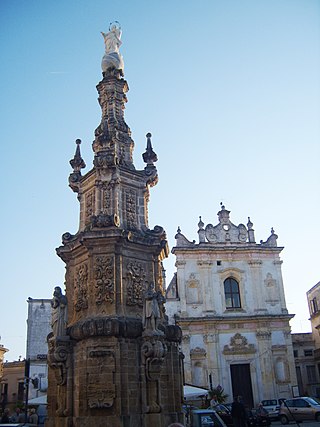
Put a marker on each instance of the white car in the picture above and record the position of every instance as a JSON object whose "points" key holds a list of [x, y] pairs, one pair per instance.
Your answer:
{"points": [[272, 406]]}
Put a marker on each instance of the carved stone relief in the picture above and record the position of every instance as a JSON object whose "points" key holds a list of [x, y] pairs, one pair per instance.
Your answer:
{"points": [[81, 288], [58, 357], [271, 287], [198, 353], [153, 354], [131, 209], [100, 372], [193, 290], [239, 345], [135, 283], [104, 279], [106, 198], [89, 205]]}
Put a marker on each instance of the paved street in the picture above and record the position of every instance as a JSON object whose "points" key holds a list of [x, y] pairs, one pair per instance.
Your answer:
{"points": [[292, 424]]}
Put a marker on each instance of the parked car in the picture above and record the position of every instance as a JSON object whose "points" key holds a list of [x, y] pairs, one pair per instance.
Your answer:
{"points": [[299, 409], [273, 407], [224, 411]]}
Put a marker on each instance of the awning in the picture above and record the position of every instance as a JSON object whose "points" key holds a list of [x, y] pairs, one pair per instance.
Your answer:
{"points": [[41, 400], [194, 392]]}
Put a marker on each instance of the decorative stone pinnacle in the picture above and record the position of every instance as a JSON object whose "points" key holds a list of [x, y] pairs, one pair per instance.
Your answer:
{"points": [[149, 156], [77, 163], [249, 224], [200, 223]]}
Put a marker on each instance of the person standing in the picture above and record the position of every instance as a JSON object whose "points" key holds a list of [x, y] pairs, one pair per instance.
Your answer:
{"points": [[5, 417], [18, 416], [238, 412], [33, 418]]}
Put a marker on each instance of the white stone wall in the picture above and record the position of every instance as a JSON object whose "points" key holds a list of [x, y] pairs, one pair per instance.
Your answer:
{"points": [[209, 328], [38, 328]]}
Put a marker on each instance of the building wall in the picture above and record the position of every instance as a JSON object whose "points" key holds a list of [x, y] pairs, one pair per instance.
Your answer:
{"points": [[216, 337], [12, 383], [307, 367], [38, 328], [3, 350], [313, 297]]}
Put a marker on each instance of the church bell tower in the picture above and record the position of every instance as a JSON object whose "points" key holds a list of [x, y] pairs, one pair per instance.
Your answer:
{"points": [[113, 359]]}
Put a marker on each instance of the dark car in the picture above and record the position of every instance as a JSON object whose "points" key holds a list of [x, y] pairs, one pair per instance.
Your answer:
{"points": [[224, 411]]}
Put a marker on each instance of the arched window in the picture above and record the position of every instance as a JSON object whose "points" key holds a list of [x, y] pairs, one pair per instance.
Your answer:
{"points": [[232, 293]]}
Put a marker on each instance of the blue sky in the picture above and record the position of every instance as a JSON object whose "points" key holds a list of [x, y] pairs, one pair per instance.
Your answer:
{"points": [[230, 91]]}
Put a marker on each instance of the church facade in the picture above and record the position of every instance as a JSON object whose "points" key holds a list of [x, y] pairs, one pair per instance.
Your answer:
{"points": [[228, 298]]}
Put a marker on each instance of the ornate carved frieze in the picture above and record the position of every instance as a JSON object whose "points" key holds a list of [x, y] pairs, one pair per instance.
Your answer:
{"points": [[106, 198], [100, 368], [104, 279], [239, 345], [81, 288], [131, 208], [89, 205], [135, 283]]}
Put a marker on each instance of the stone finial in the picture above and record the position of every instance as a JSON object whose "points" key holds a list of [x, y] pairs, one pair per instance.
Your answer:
{"points": [[250, 231], [149, 156], [77, 163], [201, 231]]}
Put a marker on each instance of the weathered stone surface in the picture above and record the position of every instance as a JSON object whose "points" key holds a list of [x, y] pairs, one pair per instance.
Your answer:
{"points": [[118, 362]]}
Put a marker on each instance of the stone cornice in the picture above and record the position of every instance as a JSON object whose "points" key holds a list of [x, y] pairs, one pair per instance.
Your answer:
{"points": [[233, 319], [204, 248]]}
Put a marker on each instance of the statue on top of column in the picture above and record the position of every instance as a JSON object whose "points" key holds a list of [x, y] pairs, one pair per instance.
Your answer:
{"points": [[112, 56]]}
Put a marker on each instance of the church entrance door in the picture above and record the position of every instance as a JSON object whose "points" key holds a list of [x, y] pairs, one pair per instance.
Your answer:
{"points": [[241, 382]]}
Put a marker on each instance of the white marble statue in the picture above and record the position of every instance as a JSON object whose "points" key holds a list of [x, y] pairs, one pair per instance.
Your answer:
{"points": [[112, 56]]}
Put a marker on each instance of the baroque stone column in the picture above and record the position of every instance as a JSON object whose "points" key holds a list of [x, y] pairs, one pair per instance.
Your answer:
{"points": [[119, 362]]}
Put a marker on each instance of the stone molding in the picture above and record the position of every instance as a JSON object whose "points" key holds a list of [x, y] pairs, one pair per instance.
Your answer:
{"points": [[117, 327]]}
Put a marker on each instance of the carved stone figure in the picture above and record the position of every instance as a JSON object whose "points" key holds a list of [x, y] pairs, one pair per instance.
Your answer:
{"points": [[112, 56], [59, 313], [151, 311]]}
